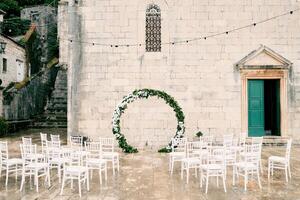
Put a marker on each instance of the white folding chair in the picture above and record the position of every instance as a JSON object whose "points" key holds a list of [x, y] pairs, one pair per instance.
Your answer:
{"points": [[279, 162], [55, 157], [192, 159], [214, 168], [249, 165], [33, 165], [94, 160], [74, 170], [178, 152], [109, 154], [10, 165]]}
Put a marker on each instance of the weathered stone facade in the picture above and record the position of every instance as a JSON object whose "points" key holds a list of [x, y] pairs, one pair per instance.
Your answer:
{"points": [[14, 59], [201, 75]]}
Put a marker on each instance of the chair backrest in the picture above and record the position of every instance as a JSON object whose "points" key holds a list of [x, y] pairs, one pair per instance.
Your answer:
{"points": [[43, 137], [208, 139], [256, 140], [193, 149], [242, 139], [3, 151], [178, 144], [72, 158], [53, 152], [55, 137], [107, 144], [94, 149], [288, 149], [252, 153], [227, 140], [43, 141], [76, 141], [26, 140], [28, 151], [217, 156]]}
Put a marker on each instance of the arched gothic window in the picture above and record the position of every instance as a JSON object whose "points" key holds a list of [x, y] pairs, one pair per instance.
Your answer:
{"points": [[153, 28]]}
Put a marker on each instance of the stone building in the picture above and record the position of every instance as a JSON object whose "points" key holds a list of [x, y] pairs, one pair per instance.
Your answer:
{"points": [[12, 64], [246, 80], [45, 18]]}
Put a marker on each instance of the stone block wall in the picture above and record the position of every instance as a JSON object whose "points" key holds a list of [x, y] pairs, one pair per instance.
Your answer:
{"points": [[200, 75]]}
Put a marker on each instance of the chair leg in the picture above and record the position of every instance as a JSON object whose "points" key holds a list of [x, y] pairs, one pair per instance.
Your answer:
{"points": [[62, 185], [206, 189], [233, 175], [261, 167], [258, 178], [289, 170], [245, 180], [23, 179], [48, 176], [172, 166], [118, 163], [113, 166], [269, 166], [36, 180], [87, 181], [286, 173], [224, 184], [187, 173], [100, 176], [105, 170], [201, 177], [79, 186], [6, 180], [182, 168]]}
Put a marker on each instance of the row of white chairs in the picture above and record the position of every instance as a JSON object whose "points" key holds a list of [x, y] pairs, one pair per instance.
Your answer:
{"points": [[76, 161], [212, 160]]}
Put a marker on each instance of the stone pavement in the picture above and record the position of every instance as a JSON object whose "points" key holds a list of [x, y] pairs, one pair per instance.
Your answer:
{"points": [[145, 176]]}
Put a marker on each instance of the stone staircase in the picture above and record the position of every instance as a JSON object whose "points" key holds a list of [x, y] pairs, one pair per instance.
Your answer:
{"points": [[55, 115]]}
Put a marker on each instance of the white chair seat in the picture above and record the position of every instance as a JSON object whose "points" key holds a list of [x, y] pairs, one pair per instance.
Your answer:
{"points": [[75, 169], [246, 165], [192, 160], [277, 159], [110, 154], [95, 161], [59, 160], [13, 161], [212, 167], [37, 165]]}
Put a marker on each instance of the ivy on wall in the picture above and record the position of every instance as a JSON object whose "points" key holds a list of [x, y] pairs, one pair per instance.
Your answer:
{"points": [[145, 94]]}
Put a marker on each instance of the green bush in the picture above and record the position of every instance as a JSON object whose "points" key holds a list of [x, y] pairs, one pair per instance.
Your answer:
{"points": [[3, 126], [199, 134]]}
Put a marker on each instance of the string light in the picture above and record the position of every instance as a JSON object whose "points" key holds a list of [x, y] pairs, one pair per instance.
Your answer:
{"points": [[207, 36]]}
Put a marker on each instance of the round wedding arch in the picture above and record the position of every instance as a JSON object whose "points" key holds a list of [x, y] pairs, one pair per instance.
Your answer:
{"points": [[145, 94]]}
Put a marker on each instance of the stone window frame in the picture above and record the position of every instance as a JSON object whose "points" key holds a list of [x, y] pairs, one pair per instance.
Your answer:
{"points": [[4, 66], [165, 27], [280, 72], [153, 30]]}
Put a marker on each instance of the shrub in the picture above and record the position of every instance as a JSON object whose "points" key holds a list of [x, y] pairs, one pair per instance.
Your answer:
{"points": [[3, 126], [199, 134]]}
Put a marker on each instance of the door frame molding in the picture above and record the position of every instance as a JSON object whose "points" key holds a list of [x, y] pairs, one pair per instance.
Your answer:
{"points": [[282, 75]]}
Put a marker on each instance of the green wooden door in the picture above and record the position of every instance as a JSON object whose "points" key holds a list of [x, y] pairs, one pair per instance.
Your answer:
{"points": [[256, 113]]}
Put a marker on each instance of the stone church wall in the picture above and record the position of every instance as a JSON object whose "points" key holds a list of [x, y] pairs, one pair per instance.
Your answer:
{"points": [[200, 75]]}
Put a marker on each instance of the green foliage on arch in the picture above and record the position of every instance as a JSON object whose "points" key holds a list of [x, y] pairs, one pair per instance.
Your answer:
{"points": [[145, 94]]}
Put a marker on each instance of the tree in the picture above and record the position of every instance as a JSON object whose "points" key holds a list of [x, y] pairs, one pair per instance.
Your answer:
{"points": [[11, 7]]}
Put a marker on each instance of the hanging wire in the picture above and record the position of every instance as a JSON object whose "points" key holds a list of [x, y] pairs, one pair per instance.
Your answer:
{"points": [[253, 24]]}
